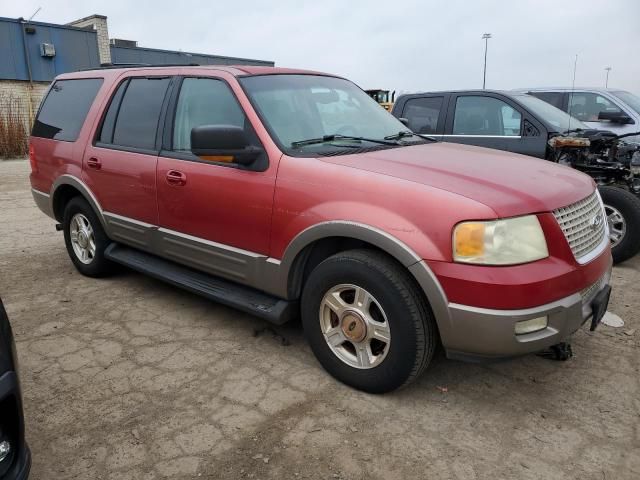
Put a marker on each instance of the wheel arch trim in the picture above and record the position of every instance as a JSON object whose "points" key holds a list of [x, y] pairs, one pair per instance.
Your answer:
{"points": [[394, 247], [84, 190]]}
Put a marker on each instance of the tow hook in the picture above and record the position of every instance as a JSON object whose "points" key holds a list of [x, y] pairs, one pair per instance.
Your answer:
{"points": [[560, 351]]}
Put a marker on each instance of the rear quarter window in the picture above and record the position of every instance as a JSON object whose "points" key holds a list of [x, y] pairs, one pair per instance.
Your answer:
{"points": [[65, 108]]}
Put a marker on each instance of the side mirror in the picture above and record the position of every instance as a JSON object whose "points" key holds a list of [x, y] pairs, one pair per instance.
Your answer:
{"points": [[404, 121], [615, 117], [223, 143]]}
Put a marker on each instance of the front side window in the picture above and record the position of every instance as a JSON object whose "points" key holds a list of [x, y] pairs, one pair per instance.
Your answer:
{"points": [[423, 114], [133, 114], [204, 101], [587, 106], [296, 108], [65, 108], [482, 116]]}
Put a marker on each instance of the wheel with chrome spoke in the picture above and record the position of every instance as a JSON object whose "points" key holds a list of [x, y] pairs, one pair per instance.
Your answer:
{"points": [[354, 326], [622, 209], [85, 239], [82, 239], [367, 322]]}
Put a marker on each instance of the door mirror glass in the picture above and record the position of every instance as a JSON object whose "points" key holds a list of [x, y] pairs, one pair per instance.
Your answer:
{"points": [[223, 143]]}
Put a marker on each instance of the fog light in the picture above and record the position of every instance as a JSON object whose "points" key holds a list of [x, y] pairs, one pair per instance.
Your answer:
{"points": [[533, 325], [5, 450]]}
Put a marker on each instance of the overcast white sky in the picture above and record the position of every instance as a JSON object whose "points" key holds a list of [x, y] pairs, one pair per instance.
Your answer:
{"points": [[398, 45]]}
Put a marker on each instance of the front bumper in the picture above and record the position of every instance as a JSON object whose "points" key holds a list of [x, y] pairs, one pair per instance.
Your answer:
{"points": [[12, 425], [483, 333]]}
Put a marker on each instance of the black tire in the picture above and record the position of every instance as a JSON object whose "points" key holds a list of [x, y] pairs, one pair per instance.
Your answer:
{"points": [[98, 265], [414, 335], [628, 205]]}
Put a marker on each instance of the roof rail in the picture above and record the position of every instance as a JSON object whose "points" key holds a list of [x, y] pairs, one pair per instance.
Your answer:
{"points": [[106, 66]]}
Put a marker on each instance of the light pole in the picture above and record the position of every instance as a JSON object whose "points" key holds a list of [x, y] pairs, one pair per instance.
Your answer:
{"points": [[606, 82], [485, 37]]}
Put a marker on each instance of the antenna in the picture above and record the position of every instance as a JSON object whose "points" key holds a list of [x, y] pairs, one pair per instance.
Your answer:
{"points": [[34, 14], [573, 87]]}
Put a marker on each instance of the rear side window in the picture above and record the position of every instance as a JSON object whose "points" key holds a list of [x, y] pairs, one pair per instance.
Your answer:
{"points": [[423, 114], [65, 108], [133, 114]]}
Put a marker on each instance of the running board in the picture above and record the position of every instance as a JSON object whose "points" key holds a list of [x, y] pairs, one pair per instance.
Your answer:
{"points": [[247, 299]]}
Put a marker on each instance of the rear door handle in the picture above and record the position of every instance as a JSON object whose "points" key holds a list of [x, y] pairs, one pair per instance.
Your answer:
{"points": [[94, 163], [176, 178]]}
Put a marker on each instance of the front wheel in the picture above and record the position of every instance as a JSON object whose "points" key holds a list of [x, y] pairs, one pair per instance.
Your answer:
{"points": [[367, 321], [623, 218]]}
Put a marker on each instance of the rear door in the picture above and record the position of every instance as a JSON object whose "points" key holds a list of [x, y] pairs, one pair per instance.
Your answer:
{"points": [[493, 121], [120, 165], [426, 114]]}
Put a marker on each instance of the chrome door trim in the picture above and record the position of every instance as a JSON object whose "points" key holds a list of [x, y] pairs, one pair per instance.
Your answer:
{"points": [[127, 230], [233, 263], [516, 137]]}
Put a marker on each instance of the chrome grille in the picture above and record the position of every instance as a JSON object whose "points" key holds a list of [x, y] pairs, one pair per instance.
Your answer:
{"points": [[583, 224]]}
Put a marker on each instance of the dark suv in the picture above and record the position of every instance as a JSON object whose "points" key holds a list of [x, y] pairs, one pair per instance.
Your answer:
{"points": [[520, 123], [15, 458]]}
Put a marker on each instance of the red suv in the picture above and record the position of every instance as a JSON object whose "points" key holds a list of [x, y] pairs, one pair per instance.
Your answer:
{"points": [[285, 193]]}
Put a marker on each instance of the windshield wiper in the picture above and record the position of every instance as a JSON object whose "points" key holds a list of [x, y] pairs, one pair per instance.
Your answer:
{"points": [[331, 138], [407, 133]]}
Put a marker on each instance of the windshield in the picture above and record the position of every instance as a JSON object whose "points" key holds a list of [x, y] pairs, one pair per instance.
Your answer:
{"points": [[629, 98], [296, 108], [550, 114]]}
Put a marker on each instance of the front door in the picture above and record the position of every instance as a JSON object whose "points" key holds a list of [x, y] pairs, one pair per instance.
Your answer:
{"points": [[486, 120], [214, 216], [120, 167], [587, 107]]}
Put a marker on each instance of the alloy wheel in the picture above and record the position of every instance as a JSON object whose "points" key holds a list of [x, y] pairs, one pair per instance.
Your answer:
{"points": [[355, 326]]}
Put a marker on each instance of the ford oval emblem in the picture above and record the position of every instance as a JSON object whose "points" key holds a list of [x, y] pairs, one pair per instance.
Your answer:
{"points": [[596, 221]]}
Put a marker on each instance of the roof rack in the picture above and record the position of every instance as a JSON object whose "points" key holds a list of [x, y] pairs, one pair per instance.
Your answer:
{"points": [[106, 66]]}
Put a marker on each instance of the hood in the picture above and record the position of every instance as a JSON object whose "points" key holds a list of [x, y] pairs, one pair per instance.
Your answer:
{"points": [[509, 183]]}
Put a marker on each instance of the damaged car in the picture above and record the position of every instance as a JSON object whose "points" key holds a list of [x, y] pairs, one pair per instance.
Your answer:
{"points": [[520, 123]]}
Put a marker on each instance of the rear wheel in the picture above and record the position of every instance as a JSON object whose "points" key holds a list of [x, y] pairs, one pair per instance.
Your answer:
{"points": [[367, 322], [623, 218], [85, 239]]}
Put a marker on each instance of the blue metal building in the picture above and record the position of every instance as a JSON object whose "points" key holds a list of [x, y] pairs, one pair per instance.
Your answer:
{"points": [[38, 51], [21, 50]]}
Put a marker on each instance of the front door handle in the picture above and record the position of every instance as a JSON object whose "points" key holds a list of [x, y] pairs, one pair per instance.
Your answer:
{"points": [[94, 163], [176, 178]]}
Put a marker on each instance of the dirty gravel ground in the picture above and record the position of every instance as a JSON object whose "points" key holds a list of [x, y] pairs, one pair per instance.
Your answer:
{"points": [[128, 378]]}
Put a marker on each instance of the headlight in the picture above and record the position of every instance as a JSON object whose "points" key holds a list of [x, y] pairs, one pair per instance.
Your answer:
{"points": [[500, 242]]}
